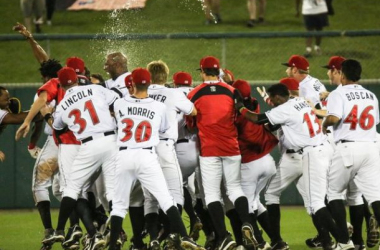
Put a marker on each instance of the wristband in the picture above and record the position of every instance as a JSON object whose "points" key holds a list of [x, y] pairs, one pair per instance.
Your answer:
{"points": [[47, 117], [31, 145], [243, 111]]}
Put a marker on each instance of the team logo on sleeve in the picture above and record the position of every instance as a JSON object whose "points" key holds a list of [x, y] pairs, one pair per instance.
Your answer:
{"points": [[213, 88], [317, 86]]}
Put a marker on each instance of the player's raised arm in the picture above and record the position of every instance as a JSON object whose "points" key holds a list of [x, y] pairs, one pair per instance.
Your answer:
{"points": [[38, 51]]}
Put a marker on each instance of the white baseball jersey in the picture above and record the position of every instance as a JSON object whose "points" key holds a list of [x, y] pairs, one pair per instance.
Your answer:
{"points": [[358, 111], [312, 7], [310, 88], [85, 110], [183, 133], [3, 113], [176, 102], [139, 122], [300, 125], [118, 83]]}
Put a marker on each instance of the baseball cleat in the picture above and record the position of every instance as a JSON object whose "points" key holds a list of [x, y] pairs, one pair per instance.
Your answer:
{"points": [[373, 234], [74, 234], [249, 240], [59, 236], [227, 244], [49, 237], [154, 245], [173, 242], [345, 246], [210, 243], [280, 245], [314, 243], [350, 229], [46, 247], [189, 243], [95, 243], [195, 229], [264, 246], [360, 247]]}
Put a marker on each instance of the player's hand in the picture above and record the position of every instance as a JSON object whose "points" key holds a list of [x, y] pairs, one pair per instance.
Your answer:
{"points": [[226, 77], [2, 156], [323, 95], [22, 131], [34, 152], [22, 30], [46, 110], [263, 93]]}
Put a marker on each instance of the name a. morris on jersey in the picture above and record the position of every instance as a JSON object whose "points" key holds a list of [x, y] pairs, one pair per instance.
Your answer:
{"points": [[159, 98], [76, 97], [359, 95], [301, 105], [141, 112]]}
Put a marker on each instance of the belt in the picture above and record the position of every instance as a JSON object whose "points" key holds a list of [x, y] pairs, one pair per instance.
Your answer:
{"points": [[345, 141], [90, 138], [292, 151], [124, 148], [182, 141]]}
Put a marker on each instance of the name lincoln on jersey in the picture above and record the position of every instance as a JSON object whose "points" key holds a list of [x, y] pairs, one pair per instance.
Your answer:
{"points": [[76, 97], [359, 95], [139, 111]]}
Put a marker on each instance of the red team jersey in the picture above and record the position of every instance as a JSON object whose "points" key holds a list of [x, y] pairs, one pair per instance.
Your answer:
{"points": [[215, 120], [55, 92], [254, 140]]}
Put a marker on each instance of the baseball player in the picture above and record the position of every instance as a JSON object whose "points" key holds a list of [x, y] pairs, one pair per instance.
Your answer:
{"points": [[175, 102], [219, 153], [116, 67], [257, 165], [302, 133], [77, 64], [353, 113], [140, 118], [187, 153], [85, 111]]}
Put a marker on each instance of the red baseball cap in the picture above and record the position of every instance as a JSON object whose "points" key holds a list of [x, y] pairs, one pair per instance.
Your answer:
{"points": [[297, 61], [243, 87], [128, 81], [76, 63], [141, 76], [209, 62], [67, 76], [335, 62], [228, 72], [182, 78], [290, 83]]}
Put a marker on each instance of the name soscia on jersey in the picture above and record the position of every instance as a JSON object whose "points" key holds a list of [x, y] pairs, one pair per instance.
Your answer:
{"points": [[76, 97], [359, 95]]}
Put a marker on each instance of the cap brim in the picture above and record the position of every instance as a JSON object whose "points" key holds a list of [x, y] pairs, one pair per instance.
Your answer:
{"points": [[326, 67], [285, 64], [199, 69]]}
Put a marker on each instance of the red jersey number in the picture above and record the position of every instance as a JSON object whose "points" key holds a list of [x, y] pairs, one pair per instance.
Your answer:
{"points": [[78, 116], [306, 118], [365, 121], [143, 131]]}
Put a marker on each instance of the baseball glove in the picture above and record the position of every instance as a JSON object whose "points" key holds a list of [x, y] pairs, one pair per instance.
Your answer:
{"points": [[14, 105]]}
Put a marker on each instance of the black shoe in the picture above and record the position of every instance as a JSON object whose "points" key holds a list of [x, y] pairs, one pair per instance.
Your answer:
{"points": [[373, 234], [74, 246], [261, 20], [314, 243], [46, 246], [49, 237], [210, 243], [189, 243], [154, 245], [249, 240], [95, 243], [227, 244], [122, 238], [251, 23], [173, 242], [218, 19], [74, 234], [280, 245], [195, 229]]}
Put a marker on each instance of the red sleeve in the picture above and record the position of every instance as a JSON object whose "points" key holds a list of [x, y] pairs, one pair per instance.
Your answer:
{"points": [[51, 88], [191, 122]]}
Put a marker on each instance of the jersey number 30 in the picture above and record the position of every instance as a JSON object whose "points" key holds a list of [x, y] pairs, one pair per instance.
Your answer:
{"points": [[143, 130], [78, 116]]}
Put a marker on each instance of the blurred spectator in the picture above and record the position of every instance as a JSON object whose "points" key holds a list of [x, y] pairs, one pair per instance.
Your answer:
{"points": [[254, 12], [212, 11], [30, 8], [315, 18], [97, 79], [50, 8]]}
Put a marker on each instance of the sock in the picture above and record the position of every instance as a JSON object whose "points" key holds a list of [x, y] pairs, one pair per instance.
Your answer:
{"points": [[165, 222], [100, 215], [376, 210], [316, 224], [92, 203], [74, 219], [67, 206], [338, 213], [263, 220], [241, 206], [110, 206], [176, 223], [323, 232], [356, 217], [216, 213], [116, 224], [188, 206], [179, 207], [235, 225], [151, 221], [44, 210], [83, 210], [367, 212], [274, 216], [136, 215], [204, 216], [256, 230]]}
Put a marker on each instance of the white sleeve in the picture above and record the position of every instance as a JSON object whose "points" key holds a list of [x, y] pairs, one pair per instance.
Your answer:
{"points": [[58, 123], [278, 115], [335, 105], [377, 112], [3, 113], [110, 95], [164, 126], [183, 104]]}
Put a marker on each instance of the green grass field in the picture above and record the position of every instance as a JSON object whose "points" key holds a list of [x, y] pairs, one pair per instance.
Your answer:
{"points": [[22, 229]]}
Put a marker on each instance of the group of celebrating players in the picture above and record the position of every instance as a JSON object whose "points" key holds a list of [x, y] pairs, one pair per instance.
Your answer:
{"points": [[132, 144]]}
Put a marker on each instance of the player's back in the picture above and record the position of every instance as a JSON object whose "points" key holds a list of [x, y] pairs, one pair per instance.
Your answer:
{"points": [[175, 102], [118, 83], [183, 133], [85, 109], [310, 88], [139, 121], [358, 109]]}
